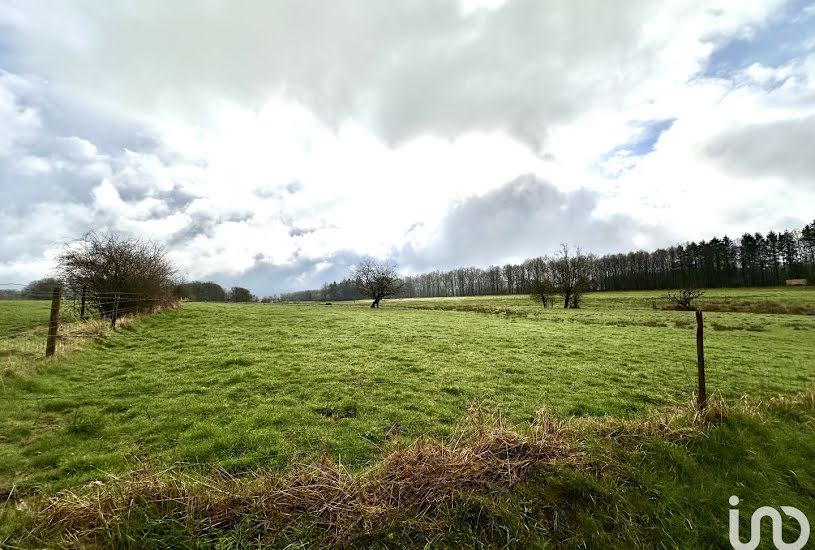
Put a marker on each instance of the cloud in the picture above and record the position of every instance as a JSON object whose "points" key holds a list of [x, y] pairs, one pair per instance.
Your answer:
{"points": [[271, 144], [304, 273], [524, 218], [778, 149], [404, 68]]}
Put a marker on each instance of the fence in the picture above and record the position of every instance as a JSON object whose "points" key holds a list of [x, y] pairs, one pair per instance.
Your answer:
{"points": [[85, 313]]}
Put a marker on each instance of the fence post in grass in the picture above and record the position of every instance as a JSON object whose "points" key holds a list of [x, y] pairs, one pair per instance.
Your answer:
{"points": [[82, 303], [115, 313], [53, 322], [700, 360]]}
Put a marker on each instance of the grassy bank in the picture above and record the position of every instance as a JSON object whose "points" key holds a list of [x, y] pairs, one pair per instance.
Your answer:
{"points": [[663, 480]]}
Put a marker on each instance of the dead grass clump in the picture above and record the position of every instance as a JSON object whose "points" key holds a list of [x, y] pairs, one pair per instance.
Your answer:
{"points": [[419, 482], [804, 399], [674, 424]]}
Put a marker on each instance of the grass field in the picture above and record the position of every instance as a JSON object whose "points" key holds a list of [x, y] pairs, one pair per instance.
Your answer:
{"points": [[252, 385], [246, 387], [18, 315]]}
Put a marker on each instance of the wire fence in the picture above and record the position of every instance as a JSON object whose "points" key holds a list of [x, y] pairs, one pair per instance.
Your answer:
{"points": [[77, 315]]}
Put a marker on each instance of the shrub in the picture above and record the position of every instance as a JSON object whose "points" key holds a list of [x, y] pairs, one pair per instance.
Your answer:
{"points": [[119, 275]]}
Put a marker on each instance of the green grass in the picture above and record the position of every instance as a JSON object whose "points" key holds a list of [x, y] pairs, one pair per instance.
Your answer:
{"points": [[19, 315], [799, 300], [262, 386], [660, 482], [23, 331]]}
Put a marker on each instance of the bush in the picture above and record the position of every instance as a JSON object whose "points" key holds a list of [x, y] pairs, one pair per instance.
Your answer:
{"points": [[119, 275]]}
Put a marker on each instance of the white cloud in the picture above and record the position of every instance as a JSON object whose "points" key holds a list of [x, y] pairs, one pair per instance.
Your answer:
{"points": [[276, 137]]}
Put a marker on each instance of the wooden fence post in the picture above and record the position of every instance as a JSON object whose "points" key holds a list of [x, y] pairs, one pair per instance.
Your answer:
{"points": [[53, 323], [82, 303], [115, 313], [700, 360]]}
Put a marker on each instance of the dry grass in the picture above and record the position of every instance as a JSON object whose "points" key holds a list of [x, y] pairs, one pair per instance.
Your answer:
{"points": [[418, 483], [25, 353]]}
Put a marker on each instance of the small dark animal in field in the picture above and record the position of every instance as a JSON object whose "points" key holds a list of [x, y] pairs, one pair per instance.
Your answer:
{"points": [[328, 304]]}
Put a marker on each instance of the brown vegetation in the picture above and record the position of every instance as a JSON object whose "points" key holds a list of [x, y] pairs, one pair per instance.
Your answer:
{"points": [[419, 483]]}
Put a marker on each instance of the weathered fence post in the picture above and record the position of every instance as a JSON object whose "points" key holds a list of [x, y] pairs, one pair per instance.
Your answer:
{"points": [[53, 323], [82, 303], [115, 313], [700, 360]]}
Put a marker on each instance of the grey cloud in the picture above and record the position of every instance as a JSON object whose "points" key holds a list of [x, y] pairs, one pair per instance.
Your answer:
{"points": [[72, 146], [204, 224], [276, 191], [780, 148], [265, 278], [299, 231], [404, 68], [67, 114], [526, 217]]}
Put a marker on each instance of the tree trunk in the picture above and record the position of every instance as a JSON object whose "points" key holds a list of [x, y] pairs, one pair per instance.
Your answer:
{"points": [[566, 300], [375, 303]]}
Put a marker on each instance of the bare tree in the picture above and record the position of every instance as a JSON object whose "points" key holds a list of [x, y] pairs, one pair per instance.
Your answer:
{"points": [[119, 274], [376, 280], [684, 299], [544, 290], [570, 275]]}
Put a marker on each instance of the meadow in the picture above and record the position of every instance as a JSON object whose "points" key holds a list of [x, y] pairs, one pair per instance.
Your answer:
{"points": [[253, 385], [248, 387]]}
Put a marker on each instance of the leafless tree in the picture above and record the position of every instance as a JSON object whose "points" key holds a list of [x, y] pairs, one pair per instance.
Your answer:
{"points": [[119, 274], [543, 290], [376, 280], [570, 275], [684, 299]]}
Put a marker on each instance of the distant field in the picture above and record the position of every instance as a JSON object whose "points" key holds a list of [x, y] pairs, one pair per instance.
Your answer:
{"points": [[18, 315], [23, 330], [247, 386], [797, 299], [23, 333]]}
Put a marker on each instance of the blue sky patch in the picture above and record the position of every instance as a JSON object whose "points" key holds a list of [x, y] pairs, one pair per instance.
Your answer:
{"points": [[782, 39], [621, 158], [645, 140]]}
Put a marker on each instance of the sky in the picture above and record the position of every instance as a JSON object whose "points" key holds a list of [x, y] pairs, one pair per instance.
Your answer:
{"points": [[274, 144]]}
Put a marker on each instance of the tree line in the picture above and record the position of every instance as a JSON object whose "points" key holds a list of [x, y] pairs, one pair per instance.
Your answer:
{"points": [[209, 291], [753, 259]]}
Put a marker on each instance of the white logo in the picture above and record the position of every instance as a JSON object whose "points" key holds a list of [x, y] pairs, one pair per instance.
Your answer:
{"points": [[755, 527]]}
